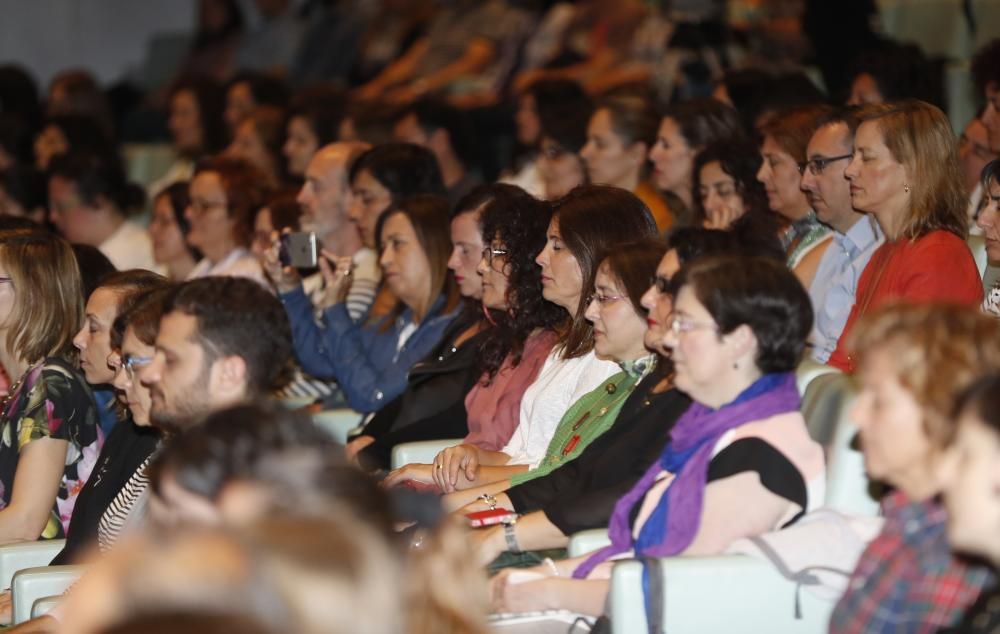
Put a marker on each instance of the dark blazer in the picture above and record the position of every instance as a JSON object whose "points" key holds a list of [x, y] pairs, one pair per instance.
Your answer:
{"points": [[433, 405]]}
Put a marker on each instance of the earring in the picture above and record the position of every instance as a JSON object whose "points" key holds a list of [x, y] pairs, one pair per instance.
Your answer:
{"points": [[906, 188]]}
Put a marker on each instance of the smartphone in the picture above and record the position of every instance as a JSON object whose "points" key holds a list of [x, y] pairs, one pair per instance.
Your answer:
{"points": [[299, 250], [489, 518]]}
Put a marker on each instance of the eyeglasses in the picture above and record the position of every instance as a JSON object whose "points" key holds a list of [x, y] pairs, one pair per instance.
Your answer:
{"points": [[489, 253], [130, 363], [603, 299], [817, 165], [678, 325]]}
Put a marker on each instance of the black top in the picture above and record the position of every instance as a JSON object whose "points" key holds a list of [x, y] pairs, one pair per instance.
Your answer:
{"points": [[581, 494], [124, 451], [776, 472], [433, 405]]}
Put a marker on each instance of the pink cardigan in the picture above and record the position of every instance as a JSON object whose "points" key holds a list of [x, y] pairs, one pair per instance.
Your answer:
{"points": [[494, 410]]}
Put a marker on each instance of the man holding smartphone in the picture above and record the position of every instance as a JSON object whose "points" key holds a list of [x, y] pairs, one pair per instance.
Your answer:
{"points": [[325, 199]]}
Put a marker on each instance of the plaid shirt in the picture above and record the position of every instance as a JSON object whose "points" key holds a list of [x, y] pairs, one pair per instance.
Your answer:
{"points": [[907, 580]]}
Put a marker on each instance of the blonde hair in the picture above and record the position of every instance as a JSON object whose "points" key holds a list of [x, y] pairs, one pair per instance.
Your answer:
{"points": [[48, 310], [919, 136], [938, 351]]}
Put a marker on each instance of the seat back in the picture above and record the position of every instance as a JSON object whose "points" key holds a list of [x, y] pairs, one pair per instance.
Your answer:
{"points": [[826, 407]]}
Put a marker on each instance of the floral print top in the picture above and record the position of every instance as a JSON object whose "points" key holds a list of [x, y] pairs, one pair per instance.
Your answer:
{"points": [[52, 400]]}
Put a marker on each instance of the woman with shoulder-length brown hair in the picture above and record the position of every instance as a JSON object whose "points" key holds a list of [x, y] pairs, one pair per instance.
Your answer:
{"points": [[226, 192], [49, 433], [370, 359], [586, 223], [905, 172]]}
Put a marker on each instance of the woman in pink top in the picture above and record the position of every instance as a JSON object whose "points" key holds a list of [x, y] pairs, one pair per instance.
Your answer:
{"points": [[516, 336]]}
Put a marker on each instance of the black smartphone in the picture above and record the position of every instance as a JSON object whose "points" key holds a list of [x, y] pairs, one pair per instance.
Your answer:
{"points": [[299, 250]]}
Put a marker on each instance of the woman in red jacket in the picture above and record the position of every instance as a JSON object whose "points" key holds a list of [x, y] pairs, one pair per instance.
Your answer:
{"points": [[905, 172]]}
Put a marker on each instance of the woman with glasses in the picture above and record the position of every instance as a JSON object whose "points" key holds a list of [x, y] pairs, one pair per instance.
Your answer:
{"points": [[581, 494], [905, 173], [49, 432], [783, 150], [588, 222], [473, 381], [124, 335], [225, 194], [739, 461]]}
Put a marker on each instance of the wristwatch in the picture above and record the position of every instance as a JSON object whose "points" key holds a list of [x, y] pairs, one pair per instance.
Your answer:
{"points": [[510, 537]]}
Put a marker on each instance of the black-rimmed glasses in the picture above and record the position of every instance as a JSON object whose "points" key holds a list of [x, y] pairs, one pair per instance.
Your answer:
{"points": [[817, 165]]}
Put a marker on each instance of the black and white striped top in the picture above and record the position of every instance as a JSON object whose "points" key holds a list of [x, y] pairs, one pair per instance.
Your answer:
{"points": [[125, 508]]}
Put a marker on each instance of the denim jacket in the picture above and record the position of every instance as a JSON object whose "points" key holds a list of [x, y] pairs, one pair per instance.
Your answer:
{"points": [[366, 362]]}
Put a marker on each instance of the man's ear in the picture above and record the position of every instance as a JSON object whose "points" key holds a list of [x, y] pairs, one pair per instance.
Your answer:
{"points": [[229, 376]]}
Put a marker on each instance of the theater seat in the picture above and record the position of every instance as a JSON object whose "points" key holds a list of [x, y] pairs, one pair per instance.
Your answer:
{"points": [[14, 557], [32, 584], [43, 606], [739, 593], [338, 422]]}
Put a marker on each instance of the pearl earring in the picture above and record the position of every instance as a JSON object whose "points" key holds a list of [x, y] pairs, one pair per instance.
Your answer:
{"points": [[906, 188]]}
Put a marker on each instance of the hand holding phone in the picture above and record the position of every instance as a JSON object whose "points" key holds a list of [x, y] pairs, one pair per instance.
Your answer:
{"points": [[298, 250]]}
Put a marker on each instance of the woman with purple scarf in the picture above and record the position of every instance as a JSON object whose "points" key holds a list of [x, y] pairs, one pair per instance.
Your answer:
{"points": [[740, 461]]}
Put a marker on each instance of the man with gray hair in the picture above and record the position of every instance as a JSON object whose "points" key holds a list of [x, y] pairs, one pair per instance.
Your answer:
{"points": [[325, 198]]}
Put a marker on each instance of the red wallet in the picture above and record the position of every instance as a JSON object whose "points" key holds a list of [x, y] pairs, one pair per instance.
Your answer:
{"points": [[489, 518]]}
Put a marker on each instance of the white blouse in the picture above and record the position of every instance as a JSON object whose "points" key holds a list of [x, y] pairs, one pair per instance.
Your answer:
{"points": [[560, 383]]}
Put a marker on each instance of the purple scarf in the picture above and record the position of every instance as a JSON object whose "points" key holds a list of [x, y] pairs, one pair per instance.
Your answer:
{"points": [[694, 437]]}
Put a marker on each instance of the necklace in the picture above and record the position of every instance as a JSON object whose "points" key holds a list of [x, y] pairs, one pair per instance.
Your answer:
{"points": [[12, 391]]}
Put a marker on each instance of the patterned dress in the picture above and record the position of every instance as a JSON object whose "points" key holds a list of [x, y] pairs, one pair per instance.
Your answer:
{"points": [[51, 400]]}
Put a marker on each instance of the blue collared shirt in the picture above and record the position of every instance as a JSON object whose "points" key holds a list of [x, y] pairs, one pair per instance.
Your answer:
{"points": [[836, 282]]}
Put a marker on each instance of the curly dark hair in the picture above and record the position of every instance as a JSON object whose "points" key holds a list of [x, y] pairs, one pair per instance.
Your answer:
{"points": [[514, 218], [740, 160]]}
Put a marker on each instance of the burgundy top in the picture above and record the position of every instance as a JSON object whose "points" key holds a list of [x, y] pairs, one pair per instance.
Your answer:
{"points": [[494, 410]]}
